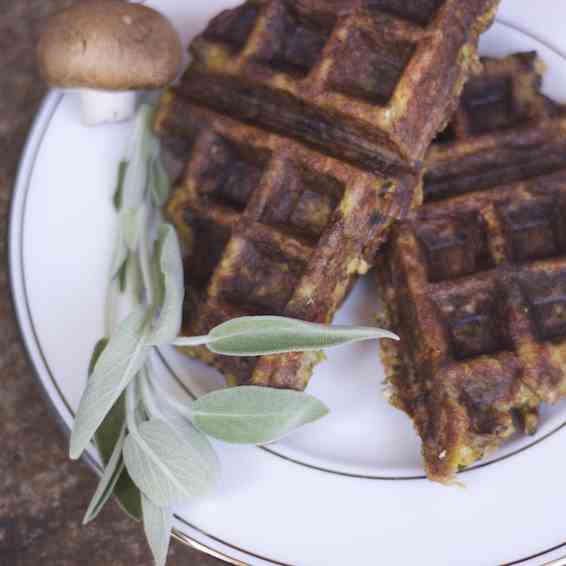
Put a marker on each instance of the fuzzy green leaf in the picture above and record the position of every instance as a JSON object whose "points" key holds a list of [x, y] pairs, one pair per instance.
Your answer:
{"points": [[112, 472], [130, 220], [106, 437], [119, 362], [122, 169], [96, 353], [122, 276], [141, 145], [254, 415], [159, 183], [263, 335], [168, 464], [157, 523], [170, 292], [120, 255]]}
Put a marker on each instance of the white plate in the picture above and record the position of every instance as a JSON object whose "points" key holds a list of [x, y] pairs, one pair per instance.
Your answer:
{"points": [[347, 490]]}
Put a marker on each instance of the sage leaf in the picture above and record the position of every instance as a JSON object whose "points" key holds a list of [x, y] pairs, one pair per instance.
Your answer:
{"points": [[159, 183], [122, 276], [106, 436], [122, 169], [254, 415], [171, 289], [135, 278], [108, 481], [130, 221], [121, 253], [96, 352], [128, 496], [157, 523], [109, 431], [122, 358], [200, 442], [167, 466], [136, 176], [264, 335]]}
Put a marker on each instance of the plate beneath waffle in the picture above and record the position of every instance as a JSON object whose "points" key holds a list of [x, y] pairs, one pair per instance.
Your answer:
{"points": [[343, 491]]}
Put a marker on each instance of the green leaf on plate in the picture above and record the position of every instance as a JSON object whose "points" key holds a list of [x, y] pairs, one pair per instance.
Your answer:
{"points": [[263, 335], [107, 482], [107, 436], [128, 496], [157, 523], [254, 415], [121, 253], [199, 441], [122, 276], [119, 362], [141, 145], [168, 464], [96, 352], [171, 290], [159, 183], [122, 169], [130, 220]]}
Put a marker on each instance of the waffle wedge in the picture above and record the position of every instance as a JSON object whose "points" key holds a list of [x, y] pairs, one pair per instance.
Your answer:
{"points": [[270, 227], [475, 281], [371, 81], [502, 94], [302, 126]]}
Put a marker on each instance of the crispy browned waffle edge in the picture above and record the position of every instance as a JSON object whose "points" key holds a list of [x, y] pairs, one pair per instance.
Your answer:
{"points": [[478, 401], [343, 246], [255, 71]]}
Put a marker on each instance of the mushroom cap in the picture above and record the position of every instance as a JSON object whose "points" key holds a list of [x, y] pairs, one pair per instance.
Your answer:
{"points": [[109, 45]]}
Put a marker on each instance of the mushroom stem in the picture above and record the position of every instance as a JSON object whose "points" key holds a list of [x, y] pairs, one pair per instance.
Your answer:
{"points": [[100, 107]]}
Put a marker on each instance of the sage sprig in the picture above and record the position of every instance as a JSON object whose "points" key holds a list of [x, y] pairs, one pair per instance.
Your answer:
{"points": [[263, 335], [118, 364], [107, 436], [157, 523], [160, 185], [169, 287], [108, 481], [254, 415], [167, 467], [155, 448]]}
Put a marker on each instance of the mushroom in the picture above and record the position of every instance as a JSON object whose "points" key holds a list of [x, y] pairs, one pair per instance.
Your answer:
{"points": [[108, 50]]}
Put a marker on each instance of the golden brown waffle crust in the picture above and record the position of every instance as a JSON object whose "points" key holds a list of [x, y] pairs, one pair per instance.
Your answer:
{"points": [[329, 89], [301, 267], [318, 118], [475, 280]]}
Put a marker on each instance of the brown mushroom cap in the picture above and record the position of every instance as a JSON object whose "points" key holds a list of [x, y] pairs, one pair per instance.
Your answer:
{"points": [[109, 45]]}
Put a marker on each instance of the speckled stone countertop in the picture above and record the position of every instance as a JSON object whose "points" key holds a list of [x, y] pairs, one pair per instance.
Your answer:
{"points": [[42, 494]]}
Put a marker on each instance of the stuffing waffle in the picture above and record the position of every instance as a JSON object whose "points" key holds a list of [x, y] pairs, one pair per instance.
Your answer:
{"points": [[503, 93], [270, 227], [371, 81], [302, 126], [475, 280]]}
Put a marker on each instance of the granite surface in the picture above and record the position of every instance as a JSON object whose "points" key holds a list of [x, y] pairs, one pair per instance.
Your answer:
{"points": [[42, 494]]}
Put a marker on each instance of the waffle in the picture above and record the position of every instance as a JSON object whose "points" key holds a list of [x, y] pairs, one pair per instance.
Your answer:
{"points": [[475, 281], [270, 227], [370, 81], [502, 94], [303, 126]]}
